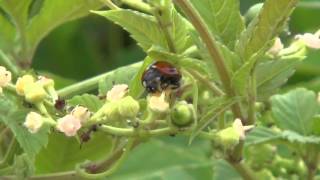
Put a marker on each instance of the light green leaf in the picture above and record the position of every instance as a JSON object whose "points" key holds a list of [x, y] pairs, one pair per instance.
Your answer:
{"points": [[223, 18], [264, 27], [7, 32], [170, 160], [261, 135], [146, 31], [271, 75], [55, 13], [122, 75], [292, 136], [63, 153], [92, 102], [135, 86], [23, 166], [295, 110], [14, 116], [222, 170]]}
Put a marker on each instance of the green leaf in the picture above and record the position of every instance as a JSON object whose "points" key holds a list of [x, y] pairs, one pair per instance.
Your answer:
{"points": [[264, 27], [135, 86], [271, 75], [23, 166], [292, 136], [13, 117], [295, 110], [63, 153], [122, 75], [222, 170], [223, 18], [170, 160], [261, 135], [7, 31], [92, 102], [146, 31], [54, 13]]}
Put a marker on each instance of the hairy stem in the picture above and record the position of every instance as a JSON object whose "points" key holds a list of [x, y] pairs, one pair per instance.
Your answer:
{"points": [[243, 170], [88, 84], [216, 56]]}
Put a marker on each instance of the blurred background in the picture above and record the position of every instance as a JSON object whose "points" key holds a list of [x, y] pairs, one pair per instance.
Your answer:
{"points": [[92, 45]]}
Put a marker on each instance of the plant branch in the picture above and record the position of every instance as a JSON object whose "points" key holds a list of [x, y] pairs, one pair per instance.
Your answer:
{"points": [[88, 84], [245, 172], [252, 100], [9, 154], [216, 56]]}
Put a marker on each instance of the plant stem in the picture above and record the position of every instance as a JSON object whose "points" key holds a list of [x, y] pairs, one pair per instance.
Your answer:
{"points": [[139, 5], [211, 85], [110, 4], [217, 58], [9, 63], [10, 153], [89, 84], [245, 172]]}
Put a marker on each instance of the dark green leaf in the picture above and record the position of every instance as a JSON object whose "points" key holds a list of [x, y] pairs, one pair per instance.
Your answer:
{"points": [[261, 135], [264, 27], [295, 110], [92, 102], [222, 170], [63, 153], [170, 160], [223, 18]]}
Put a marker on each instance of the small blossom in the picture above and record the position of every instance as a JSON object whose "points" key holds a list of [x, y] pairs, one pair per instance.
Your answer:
{"points": [[69, 125], [22, 82], [238, 126], [81, 113], [158, 103], [33, 122], [5, 77], [34, 93], [310, 40], [277, 47], [117, 92], [44, 81]]}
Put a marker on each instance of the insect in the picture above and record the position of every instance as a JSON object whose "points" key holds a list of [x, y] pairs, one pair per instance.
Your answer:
{"points": [[161, 76]]}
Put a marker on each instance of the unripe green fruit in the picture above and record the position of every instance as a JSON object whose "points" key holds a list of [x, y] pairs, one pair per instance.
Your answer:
{"points": [[128, 107], [34, 93], [182, 114]]}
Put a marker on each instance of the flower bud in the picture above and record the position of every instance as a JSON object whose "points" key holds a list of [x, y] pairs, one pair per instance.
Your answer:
{"points": [[111, 110], [22, 82], [117, 92], [158, 103], [69, 125], [277, 47], [34, 93], [45, 82], [5, 76], [81, 113], [128, 107], [182, 114], [228, 137], [33, 122]]}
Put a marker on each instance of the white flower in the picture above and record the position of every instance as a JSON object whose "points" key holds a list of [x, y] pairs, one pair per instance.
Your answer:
{"points": [[69, 125], [158, 103], [277, 47], [5, 76], [33, 122], [117, 92], [81, 113], [310, 40], [44, 81], [238, 126]]}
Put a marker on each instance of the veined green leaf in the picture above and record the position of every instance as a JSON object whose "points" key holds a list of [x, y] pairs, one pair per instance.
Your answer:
{"points": [[93, 103], [146, 30], [295, 110], [264, 27], [7, 31], [14, 116], [223, 18]]}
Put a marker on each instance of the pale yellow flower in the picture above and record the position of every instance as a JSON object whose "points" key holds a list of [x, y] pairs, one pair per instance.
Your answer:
{"points": [[277, 47], [240, 128], [310, 40], [33, 122], [5, 76], [117, 92], [158, 103], [22, 82], [69, 125], [81, 113]]}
